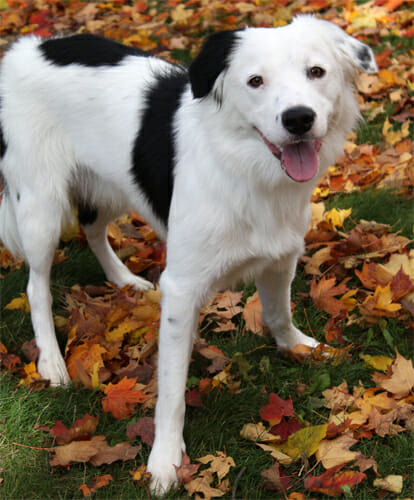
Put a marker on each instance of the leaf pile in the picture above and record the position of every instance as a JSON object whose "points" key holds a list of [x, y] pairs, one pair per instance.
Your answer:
{"points": [[355, 416]]}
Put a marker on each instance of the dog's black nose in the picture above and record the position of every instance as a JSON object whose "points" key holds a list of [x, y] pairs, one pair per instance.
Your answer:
{"points": [[298, 120]]}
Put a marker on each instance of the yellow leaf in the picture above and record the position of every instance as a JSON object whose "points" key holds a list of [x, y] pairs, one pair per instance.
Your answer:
{"points": [[222, 377], [337, 217], [384, 299], [95, 374], [118, 333], [21, 303], [377, 362], [348, 301], [392, 136], [390, 483], [31, 374], [304, 441]]}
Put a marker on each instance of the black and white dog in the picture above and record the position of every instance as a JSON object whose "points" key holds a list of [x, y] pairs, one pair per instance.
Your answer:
{"points": [[221, 159]]}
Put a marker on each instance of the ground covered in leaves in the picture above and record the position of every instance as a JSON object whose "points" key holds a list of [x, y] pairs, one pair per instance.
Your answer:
{"points": [[261, 423]]}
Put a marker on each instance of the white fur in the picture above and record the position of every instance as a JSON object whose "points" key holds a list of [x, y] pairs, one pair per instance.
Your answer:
{"points": [[234, 212]]}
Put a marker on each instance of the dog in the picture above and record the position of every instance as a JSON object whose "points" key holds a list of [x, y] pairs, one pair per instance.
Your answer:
{"points": [[220, 158]]}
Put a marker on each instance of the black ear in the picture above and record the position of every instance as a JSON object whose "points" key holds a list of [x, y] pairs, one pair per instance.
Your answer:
{"points": [[211, 61]]}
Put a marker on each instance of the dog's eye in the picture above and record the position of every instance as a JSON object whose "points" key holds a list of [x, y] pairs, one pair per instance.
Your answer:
{"points": [[316, 72], [255, 82]]}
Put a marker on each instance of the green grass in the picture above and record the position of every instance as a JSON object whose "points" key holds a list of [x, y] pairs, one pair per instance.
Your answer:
{"points": [[259, 365]]}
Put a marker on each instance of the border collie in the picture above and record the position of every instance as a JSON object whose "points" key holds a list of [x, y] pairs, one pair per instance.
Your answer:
{"points": [[221, 159]]}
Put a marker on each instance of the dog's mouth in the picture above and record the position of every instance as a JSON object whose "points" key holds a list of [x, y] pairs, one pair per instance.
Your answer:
{"points": [[298, 159]]}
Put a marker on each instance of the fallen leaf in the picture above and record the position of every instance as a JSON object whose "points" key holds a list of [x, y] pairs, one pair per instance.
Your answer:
{"points": [[219, 463], [275, 478], [305, 441], [257, 432], [121, 398], [186, 470], [276, 409], [391, 483], [144, 428], [19, 303], [95, 483], [331, 481], [252, 314], [81, 430], [334, 452], [377, 362], [401, 381]]}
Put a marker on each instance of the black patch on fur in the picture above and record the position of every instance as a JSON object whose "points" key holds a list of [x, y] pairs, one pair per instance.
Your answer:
{"points": [[211, 61], [364, 57], [87, 50], [364, 54], [87, 214], [153, 153], [18, 196], [3, 145]]}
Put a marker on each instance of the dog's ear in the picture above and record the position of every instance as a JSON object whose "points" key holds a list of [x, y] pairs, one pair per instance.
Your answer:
{"points": [[359, 54], [348, 48], [211, 61]]}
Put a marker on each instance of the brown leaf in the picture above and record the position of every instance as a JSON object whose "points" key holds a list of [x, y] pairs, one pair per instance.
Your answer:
{"points": [[144, 428], [252, 314], [401, 381], [186, 471], [81, 430], [334, 452]]}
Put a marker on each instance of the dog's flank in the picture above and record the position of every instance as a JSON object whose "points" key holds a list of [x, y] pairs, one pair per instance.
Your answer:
{"points": [[154, 149], [221, 159]]}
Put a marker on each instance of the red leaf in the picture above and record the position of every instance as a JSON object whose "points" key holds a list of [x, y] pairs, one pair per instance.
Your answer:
{"points": [[401, 285], [330, 482], [285, 428], [193, 398], [276, 409]]}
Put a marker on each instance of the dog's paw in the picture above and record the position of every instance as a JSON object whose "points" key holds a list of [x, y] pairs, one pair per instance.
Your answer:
{"points": [[53, 368], [127, 278], [293, 337], [161, 466]]}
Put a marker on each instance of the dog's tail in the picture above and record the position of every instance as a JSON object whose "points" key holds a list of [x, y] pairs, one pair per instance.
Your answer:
{"points": [[9, 234]]}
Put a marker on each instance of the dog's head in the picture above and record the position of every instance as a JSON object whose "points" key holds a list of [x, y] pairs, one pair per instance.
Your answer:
{"points": [[291, 87]]}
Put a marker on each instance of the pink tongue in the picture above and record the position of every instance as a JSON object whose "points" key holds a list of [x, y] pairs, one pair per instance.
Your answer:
{"points": [[300, 160]]}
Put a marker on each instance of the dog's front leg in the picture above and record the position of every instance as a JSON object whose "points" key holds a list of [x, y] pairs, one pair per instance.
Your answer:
{"points": [[274, 291], [179, 316]]}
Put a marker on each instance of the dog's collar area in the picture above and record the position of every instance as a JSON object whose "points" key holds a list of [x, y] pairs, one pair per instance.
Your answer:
{"points": [[298, 159]]}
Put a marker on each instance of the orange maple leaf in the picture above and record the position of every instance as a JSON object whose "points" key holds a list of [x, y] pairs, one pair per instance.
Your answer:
{"points": [[121, 398], [323, 293]]}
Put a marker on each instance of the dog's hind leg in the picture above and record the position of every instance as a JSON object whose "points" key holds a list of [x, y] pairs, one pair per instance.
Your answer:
{"points": [[274, 291], [95, 227], [39, 224]]}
